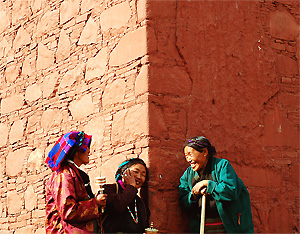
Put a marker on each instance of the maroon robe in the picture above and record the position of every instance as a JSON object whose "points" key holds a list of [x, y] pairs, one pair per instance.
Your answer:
{"points": [[68, 206]]}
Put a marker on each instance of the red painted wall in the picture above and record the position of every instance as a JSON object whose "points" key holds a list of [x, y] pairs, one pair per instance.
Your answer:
{"points": [[227, 70]]}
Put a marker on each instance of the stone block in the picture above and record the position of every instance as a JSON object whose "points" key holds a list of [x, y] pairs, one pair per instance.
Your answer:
{"points": [[83, 107], [3, 134], [4, 19], [28, 66], [90, 33], [87, 5], [68, 9], [115, 17], [141, 83], [109, 168], [12, 103], [12, 72], [157, 122], [96, 66], [30, 198], [40, 231], [169, 80], [36, 5], [47, 23], [33, 93], [28, 230], [35, 160], [49, 83], [297, 48], [114, 93], [5, 47], [22, 39], [51, 118], [96, 127], [142, 9], [132, 45], [14, 202], [20, 9], [15, 161], [118, 127], [17, 131], [45, 57], [283, 26], [136, 122], [67, 81], [64, 46], [286, 66]]}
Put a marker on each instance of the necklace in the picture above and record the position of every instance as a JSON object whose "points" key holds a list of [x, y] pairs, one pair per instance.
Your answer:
{"points": [[136, 220]]}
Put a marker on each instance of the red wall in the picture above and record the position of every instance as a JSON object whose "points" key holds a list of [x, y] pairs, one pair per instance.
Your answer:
{"points": [[227, 70]]}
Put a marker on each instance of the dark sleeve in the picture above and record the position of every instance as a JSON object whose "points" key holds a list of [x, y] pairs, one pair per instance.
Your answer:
{"points": [[117, 203]]}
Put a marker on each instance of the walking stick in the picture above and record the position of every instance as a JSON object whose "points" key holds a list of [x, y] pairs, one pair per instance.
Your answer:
{"points": [[202, 214]]}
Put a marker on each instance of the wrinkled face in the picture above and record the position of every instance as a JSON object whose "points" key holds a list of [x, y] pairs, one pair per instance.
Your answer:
{"points": [[82, 158], [139, 173], [196, 159]]}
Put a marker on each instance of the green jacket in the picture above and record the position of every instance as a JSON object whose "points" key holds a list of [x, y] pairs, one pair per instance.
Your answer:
{"points": [[230, 193]]}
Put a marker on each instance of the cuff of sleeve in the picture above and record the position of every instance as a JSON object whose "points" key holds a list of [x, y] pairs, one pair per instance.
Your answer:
{"points": [[191, 200], [211, 186]]}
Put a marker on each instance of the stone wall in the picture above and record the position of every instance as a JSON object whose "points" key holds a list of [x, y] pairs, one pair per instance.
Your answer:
{"points": [[228, 70], [67, 65], [141, 77]]}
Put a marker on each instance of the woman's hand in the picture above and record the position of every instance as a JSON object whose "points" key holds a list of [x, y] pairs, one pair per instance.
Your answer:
{"points": [[129, 178], [101, 200], [200, 187]]}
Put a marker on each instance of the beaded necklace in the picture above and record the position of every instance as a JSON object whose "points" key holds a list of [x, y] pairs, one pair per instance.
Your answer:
{"points": [[136, 220]]}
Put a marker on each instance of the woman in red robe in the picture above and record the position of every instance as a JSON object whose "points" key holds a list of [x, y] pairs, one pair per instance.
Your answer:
{"points": [[71, 207]]}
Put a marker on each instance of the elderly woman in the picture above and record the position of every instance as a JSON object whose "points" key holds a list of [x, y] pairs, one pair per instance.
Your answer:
{"points": [[125, 210], [227, 205], [71, 207]]}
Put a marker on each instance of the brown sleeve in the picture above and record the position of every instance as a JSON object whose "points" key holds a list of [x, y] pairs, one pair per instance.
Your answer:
{"points": [[117, 203]]}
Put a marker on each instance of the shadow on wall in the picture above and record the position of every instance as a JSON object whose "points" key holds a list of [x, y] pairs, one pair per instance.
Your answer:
{"points": [[219, 70]]}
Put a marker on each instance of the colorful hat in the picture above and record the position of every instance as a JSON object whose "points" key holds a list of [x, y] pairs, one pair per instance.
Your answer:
{"points": [[67, 144]]}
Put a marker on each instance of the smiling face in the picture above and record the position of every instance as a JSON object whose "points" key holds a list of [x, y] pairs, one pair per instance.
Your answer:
{"points": [[139, 173], [196, 159]]}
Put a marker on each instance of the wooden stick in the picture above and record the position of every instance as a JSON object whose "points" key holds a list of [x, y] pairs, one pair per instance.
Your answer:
{"points": [[202, 214]]}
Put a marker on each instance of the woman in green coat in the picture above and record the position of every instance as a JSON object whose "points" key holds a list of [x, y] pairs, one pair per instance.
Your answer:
{"points": [[228, 207]]}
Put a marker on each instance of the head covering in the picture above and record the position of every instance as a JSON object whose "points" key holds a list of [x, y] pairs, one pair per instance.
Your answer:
{"points": [[199, 143], [128, 163], [67, 145]]}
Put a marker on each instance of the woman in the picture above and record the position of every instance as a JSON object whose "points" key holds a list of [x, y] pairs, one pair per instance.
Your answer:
{"points": [[71, 207], [227, 205], [125, 211]]}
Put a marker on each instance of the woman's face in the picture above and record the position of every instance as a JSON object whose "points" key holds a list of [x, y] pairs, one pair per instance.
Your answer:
{"points": [[139, 173], [82, 158], [196, 159]]}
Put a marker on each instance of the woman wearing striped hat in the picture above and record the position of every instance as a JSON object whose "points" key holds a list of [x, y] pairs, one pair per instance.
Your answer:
{"points": [[125, 211], [71, 207]]}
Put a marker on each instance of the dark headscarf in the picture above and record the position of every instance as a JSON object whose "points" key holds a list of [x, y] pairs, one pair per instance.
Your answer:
{"points": [[199, 143], [128, 163]]}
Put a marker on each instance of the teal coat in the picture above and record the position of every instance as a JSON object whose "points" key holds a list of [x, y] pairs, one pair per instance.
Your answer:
{"points": [[230, 193]]}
